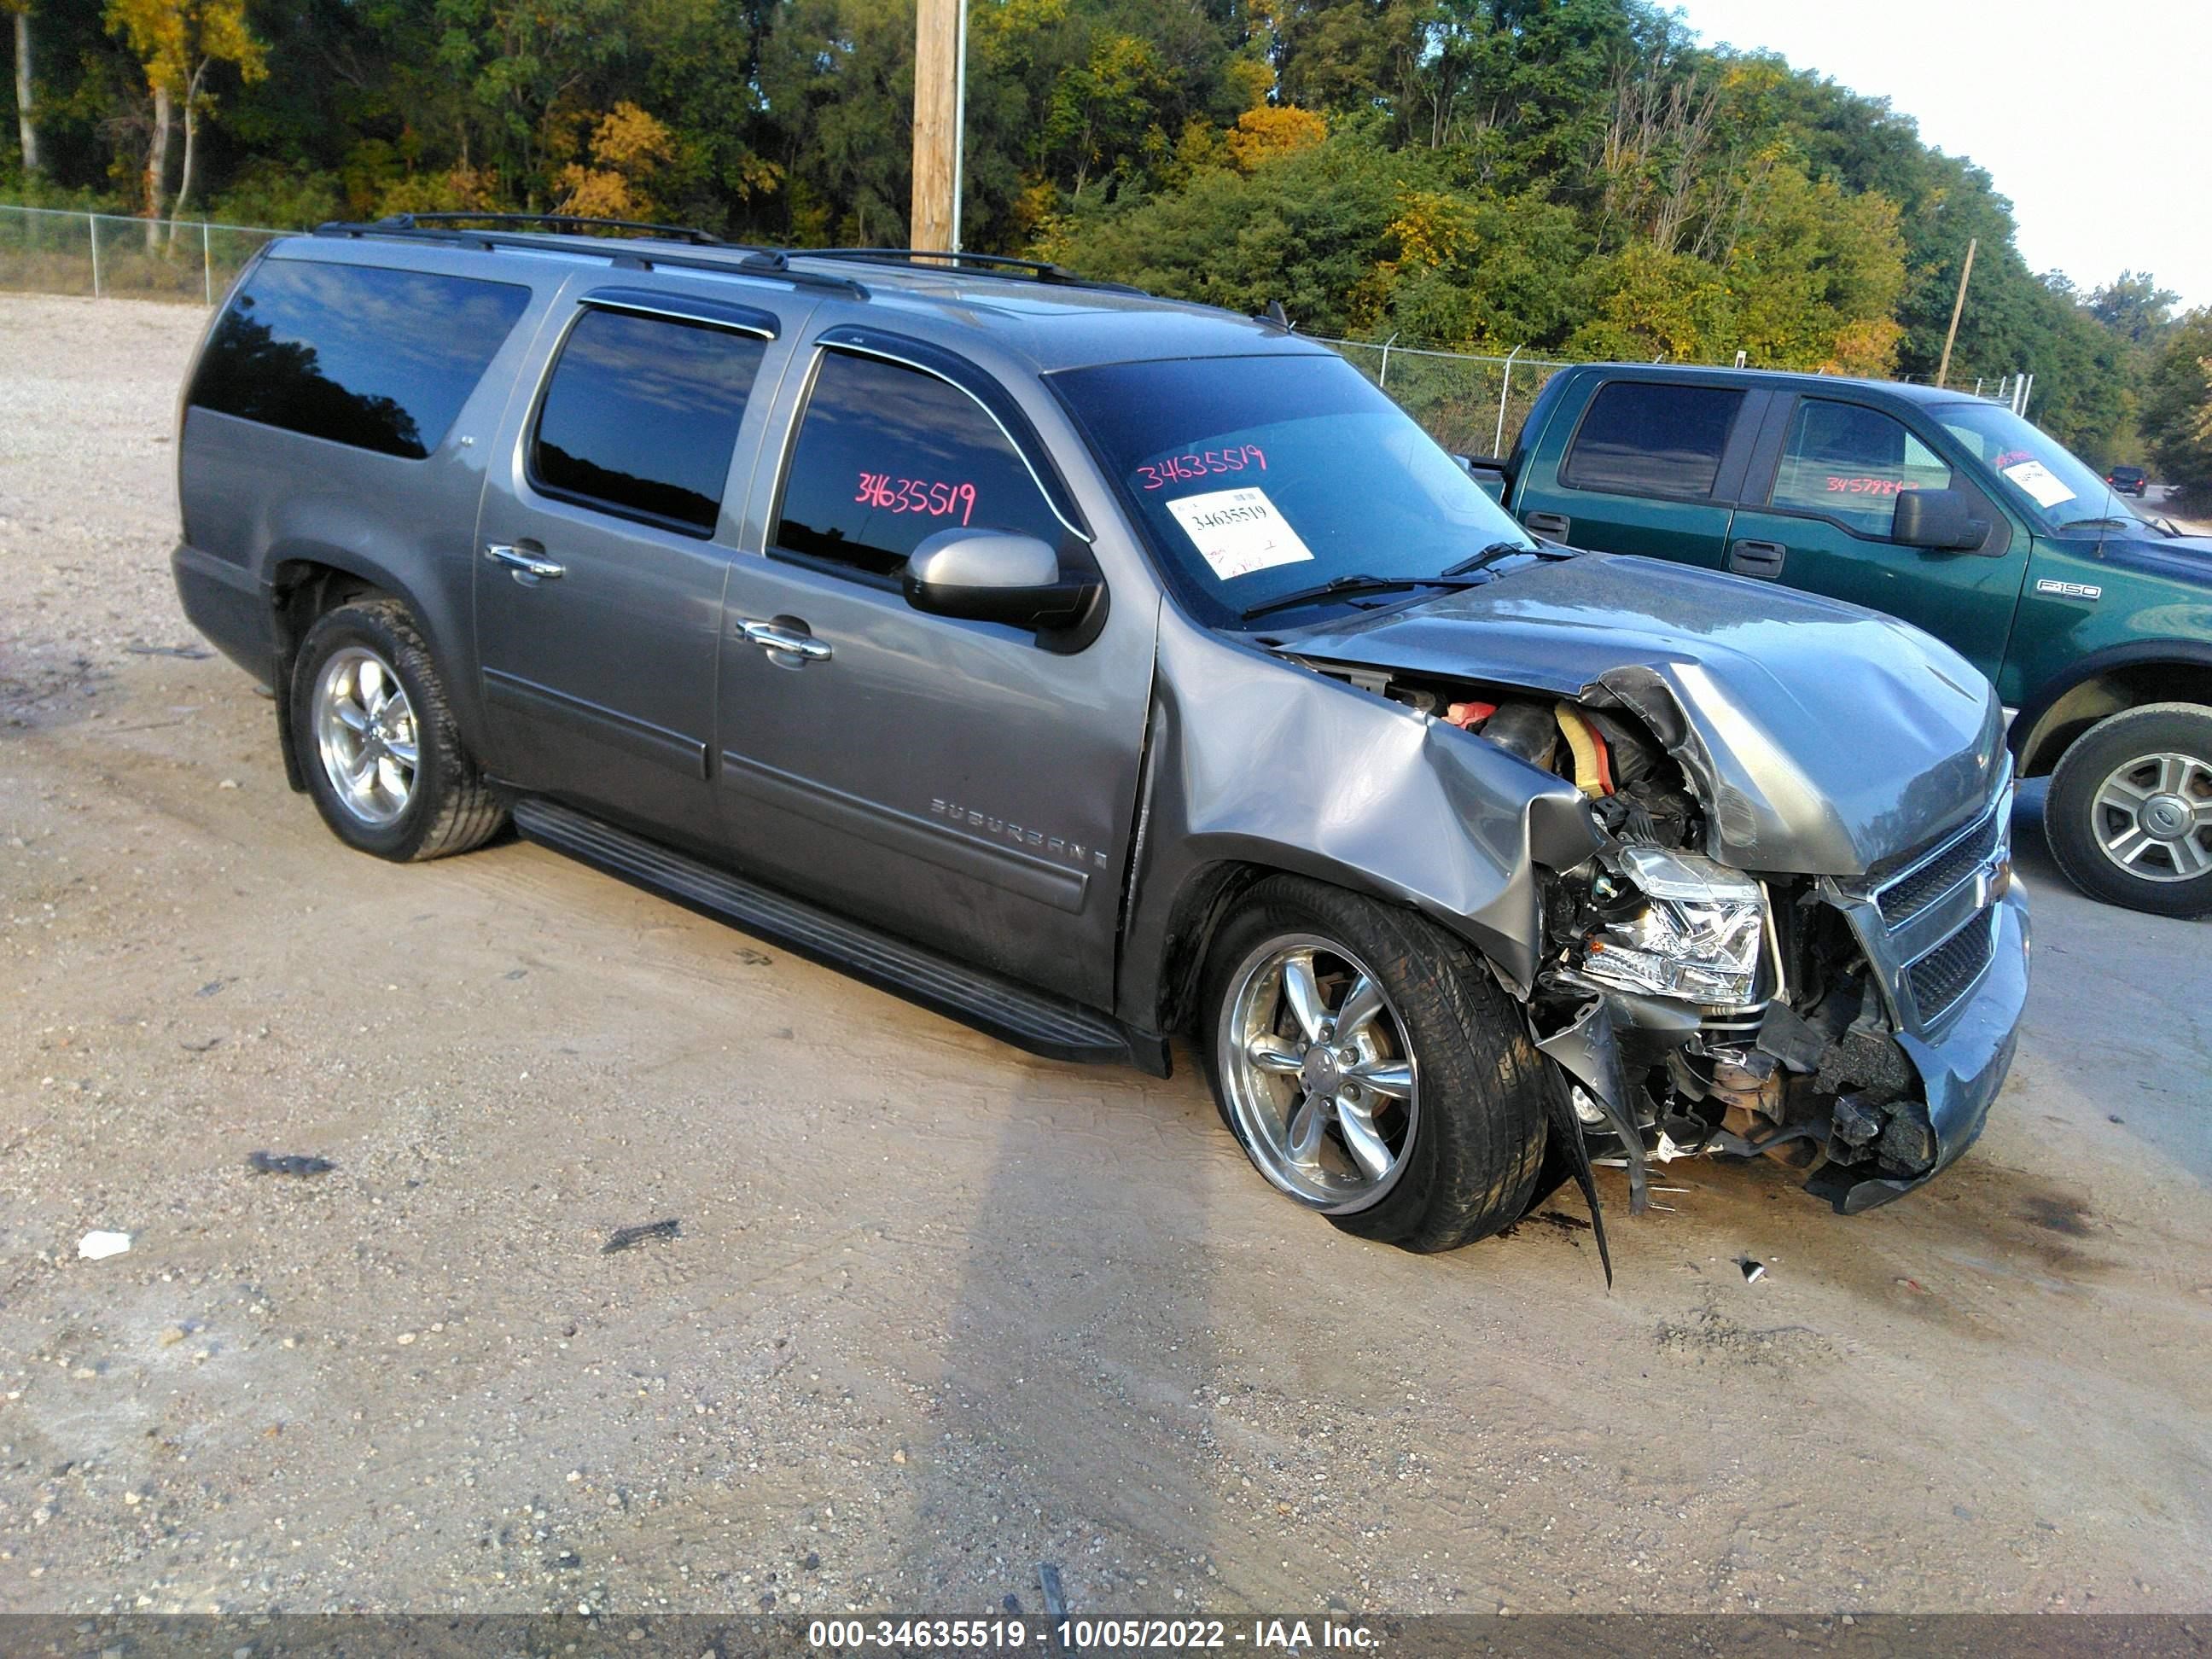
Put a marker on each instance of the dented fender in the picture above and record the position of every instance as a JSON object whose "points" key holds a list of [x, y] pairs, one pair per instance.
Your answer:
{"points": [[1254, 760]]}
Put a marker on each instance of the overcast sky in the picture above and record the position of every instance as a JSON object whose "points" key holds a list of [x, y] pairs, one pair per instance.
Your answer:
{"points": [[2095, 119]]}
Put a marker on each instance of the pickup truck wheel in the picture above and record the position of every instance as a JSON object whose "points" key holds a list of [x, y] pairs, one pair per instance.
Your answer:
{"points": [[1370, 1067], [2130, 813], [384, 759]]}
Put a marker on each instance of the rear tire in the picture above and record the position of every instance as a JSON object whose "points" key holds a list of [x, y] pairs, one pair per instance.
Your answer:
{"points": [[376, 738], [2130, 813], [1415, 1117]]}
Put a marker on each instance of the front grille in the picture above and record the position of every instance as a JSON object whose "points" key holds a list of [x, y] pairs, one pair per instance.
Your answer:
{"points": [[1949, 971], [1925, 883]]}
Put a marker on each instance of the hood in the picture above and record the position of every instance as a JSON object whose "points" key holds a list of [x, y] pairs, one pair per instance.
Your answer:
{"points": [[2178, 558], [1824, 739]]}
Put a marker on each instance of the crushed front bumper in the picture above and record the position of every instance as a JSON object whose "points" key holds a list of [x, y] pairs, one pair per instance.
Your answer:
{"points": [[1962, 1066]]}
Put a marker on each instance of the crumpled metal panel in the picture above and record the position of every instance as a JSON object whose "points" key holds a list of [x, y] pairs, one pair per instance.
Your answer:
{"points": [[1253, 762], [1824, 739]]}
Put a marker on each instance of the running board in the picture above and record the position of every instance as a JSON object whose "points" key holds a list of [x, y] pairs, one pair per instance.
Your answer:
{"points": [[1042, 1024]]}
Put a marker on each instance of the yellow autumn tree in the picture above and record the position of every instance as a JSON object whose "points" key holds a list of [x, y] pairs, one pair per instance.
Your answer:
{"points": [[626, 147], [1274, 129], [176, 43]]}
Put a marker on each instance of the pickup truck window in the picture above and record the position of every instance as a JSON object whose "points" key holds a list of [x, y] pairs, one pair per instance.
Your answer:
{"points": [[640, 416], [1255, 478], [2053, 485], [1642, 438], [887, 455], [1848, 463], [377, 359]]}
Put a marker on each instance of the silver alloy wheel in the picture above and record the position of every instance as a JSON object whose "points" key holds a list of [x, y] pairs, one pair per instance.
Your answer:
{"points": [[1319, 1073], [2153, 816], [365, 734]]}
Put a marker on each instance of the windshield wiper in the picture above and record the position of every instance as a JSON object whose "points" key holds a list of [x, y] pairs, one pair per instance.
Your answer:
{"points": [[2084, 524], [1357, 584], [1488, 556]]}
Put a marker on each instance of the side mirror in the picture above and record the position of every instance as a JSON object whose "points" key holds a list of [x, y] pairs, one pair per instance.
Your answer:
{"points": [[1940, 520], [993, 576]]}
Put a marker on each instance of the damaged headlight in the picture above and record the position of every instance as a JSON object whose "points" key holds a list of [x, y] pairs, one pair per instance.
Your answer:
{"points": [[1698, 934]]}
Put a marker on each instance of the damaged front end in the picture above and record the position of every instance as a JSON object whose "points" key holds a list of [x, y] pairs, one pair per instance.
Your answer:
{"points": [[1854, 1027]]}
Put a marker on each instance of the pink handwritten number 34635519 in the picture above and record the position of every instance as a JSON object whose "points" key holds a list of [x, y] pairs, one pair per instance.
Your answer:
{"points": [[938, 499]]}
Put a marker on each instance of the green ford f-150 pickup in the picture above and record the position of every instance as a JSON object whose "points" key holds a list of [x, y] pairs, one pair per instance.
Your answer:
{"points": [[1953, 515]]}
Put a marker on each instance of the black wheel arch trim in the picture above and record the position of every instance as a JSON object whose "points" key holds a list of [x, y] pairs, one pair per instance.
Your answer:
{"points": [[2136, 653]]}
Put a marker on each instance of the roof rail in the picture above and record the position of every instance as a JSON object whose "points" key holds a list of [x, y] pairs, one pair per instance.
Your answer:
{"points": [[727, 259], [988, 265], [577, 224]]}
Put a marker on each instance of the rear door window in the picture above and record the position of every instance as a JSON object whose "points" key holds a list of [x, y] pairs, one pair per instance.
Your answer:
{"points": [[1849, 463], [640, 416], [378, 359], [887, 455], [1643, 438]]}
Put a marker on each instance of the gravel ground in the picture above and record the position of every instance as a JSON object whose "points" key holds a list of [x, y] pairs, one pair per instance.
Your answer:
{"points": [[937, 1311]]}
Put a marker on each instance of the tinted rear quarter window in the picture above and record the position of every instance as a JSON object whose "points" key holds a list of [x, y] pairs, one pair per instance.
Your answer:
{"points": [[378, 359], [888, 455], [641, 418], [1642, 438]]}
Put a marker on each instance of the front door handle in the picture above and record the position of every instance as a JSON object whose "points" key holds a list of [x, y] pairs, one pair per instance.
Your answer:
{"points": [[527, 568], [1759, 559], [779, 639], [1554, 525]]}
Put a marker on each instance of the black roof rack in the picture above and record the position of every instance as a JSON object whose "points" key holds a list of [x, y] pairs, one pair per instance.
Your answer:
{"points": [[988, 265], [575, 224], [727, 259]]}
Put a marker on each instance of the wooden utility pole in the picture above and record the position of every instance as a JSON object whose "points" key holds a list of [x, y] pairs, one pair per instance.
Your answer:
{"points": [[1943, 368], [940, 47]]}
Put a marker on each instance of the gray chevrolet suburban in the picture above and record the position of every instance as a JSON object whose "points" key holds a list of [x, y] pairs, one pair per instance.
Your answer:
{"points": [[1093, 668]]}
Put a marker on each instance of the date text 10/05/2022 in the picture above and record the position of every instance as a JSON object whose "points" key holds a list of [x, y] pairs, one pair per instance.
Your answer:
{"points": [[1091, 1635]]}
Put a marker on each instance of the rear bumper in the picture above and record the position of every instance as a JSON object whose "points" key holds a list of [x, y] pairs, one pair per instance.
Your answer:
{"points": [[1964, 1068], [229, 605]]}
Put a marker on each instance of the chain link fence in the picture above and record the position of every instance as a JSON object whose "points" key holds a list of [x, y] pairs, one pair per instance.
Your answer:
{"points": [[106, 255], [1472, 406]]}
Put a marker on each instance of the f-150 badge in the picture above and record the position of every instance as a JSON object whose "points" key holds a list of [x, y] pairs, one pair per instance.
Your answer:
{"points": [[2069, 590]]}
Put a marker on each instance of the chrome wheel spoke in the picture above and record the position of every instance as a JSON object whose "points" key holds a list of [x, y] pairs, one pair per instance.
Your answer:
{"points": [[2129, 844], [2122, 796], [1302, 992], [2173, 773], [1361, 1003], [1273, 1055], [404, 753], [351, 715], [1390, 1077], [1368, 1148], [2190, 856], [1305, 1130], [370, 685]]}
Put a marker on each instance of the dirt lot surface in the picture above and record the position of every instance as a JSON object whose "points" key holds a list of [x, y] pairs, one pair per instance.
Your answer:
{"points": [[938, 1311]]}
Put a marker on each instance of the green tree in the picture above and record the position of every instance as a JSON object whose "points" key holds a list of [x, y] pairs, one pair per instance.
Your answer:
{"points": [[2177, 414]]}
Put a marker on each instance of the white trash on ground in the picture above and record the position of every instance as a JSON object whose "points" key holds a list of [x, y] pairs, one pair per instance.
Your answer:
{"points": [[97, 1246]]}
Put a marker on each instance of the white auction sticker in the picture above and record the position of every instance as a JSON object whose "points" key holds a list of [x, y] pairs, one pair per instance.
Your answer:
{"points": [[2039, 481], [1238, 532]]}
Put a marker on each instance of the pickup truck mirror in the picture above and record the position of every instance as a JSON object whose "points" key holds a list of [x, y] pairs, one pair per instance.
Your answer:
{"points": [[1941, 520], [995, 576]]}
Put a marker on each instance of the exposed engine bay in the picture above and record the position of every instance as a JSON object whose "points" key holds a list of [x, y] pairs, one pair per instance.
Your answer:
{"points": [[1694, 1008]]}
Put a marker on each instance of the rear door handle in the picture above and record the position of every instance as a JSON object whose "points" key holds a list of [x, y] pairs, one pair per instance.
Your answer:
{"points": [[1554, 525], [780, 641], [1759, 559], [528, 568]]}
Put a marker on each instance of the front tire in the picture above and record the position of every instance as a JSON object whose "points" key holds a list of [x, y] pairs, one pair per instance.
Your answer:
{"points": [[1370, 1067], [2130, 813], [376, 738]]}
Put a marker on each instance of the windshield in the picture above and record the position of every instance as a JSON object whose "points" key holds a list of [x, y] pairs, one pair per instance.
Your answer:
{"points": [[2060, 490], [1258, 477]]}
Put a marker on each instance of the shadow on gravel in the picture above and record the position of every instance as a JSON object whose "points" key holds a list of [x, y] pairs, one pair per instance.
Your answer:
{"points": [[1072, 1428]]}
